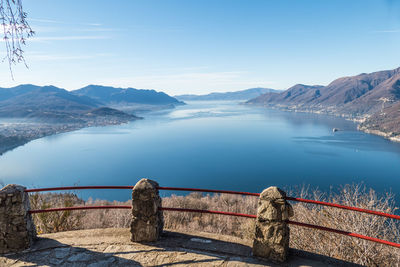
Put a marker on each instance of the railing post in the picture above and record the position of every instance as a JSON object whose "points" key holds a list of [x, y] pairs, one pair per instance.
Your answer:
{"points": [[147, 220], [17, 230], [271, 239]]}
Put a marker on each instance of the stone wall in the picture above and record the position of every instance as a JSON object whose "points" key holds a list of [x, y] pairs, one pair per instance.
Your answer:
{"points": [[147, 220], [17, 231], [272, 232]]}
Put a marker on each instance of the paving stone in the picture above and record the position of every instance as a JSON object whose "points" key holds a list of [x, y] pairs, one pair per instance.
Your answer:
{"points": [[82, 249], [56, 261], [80, 257], [61, 253], [103, 263]]}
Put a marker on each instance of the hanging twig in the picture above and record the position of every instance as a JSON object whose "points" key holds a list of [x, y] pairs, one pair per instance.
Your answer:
{"points": [[15, 31]]}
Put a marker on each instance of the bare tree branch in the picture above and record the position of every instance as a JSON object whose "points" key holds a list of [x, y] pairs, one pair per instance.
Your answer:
{"points": [[15, 31]]}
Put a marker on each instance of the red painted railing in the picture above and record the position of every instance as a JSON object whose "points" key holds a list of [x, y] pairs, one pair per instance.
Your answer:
{"points": [[211, 211], [76, 188], [80, 208], [391, 216], [345, 233]]}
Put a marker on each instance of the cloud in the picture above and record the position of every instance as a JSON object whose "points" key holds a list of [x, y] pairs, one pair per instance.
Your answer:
{"points": [[97, 29], [93, 24], [64, 38], [47, 21], [46, 25], [69, 38], [387, 31], [37, 56], [43, 20]]}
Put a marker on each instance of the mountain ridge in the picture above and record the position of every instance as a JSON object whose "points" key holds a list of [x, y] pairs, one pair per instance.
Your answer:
{"points": [[32, 101], [367, 97], [46, 110], [114, 95], [235, 95]]}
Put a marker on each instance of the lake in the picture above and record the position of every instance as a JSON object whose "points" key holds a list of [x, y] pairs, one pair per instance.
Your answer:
{"points": [[216, 145]]}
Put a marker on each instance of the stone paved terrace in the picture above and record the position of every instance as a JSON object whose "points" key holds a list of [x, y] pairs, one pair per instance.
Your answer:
{"points": [[112, 247]]}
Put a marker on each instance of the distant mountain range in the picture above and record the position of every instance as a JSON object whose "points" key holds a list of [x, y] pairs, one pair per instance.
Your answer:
{"points": [[51, 110], [50, 102], [373, 98], [37, 102], [111, 95], [238, 95]]}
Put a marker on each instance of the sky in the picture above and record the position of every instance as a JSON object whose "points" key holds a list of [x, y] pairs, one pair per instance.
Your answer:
{"points": [[187, 46]]}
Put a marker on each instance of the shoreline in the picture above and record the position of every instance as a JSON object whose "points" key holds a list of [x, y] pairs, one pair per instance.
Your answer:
{"points": [[18, 132], [358, 120], [45, 129], [387, 136]]}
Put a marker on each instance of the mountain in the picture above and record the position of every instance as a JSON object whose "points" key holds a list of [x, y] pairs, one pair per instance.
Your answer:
{"points": [[49, 110], [295, 95], [7, 93], [34, 101], [373, 97], [52, 104], [112, 96], [386, 122], [238, 95]]}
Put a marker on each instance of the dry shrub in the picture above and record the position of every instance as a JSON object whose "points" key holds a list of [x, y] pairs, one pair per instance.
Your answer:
{"points": [[316, 241], [220, 224], [51, 222], [107, 218], [340, 246]]}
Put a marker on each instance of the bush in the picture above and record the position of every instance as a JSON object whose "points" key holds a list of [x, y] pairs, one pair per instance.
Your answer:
{"points": [[50, 222], [344, 247], [315, 241]]}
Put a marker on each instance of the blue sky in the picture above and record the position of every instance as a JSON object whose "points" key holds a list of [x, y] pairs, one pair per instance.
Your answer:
{"points": [[187, 46]]}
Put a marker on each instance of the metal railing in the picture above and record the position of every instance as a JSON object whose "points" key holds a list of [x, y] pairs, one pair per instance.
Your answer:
{"points": [[346, 233]]}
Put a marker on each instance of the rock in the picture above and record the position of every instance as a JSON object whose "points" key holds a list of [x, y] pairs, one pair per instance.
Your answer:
{"points": [[17, 229], [103, 263], [272, 232], [61, 253], [79, 257], [147, 220], [55, 262]]}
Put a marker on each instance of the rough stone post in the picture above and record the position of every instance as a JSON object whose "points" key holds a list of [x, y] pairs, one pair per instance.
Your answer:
{"points": [[17, 230], [271, 239], [147, 220]]}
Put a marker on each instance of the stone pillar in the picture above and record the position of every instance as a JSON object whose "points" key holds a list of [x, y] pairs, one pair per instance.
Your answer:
{"points": [[17, 230], [147, 220], [271, 239]]}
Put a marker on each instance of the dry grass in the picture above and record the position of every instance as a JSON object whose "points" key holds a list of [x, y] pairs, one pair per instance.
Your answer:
{"points": [[320, 242]]}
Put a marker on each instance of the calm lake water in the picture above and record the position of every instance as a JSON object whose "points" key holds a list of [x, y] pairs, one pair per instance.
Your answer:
{"points": [[218, 145]]}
